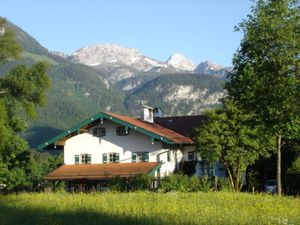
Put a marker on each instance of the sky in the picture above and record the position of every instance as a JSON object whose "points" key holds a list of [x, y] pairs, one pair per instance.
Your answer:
{"points": [[199, 29]]}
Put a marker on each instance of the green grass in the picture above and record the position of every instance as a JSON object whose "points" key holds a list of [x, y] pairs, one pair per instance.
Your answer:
{"points": [[148, 208]]}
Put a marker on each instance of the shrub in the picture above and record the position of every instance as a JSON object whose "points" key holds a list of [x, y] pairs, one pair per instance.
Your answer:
{"points": [[117, 184], [140, 182], [195, 184], [175, 182], [224, 184], [205, 183]]}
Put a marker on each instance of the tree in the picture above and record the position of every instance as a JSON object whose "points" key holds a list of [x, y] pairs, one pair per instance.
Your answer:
{"points": [[266, 73], [22, 90], [231, 139]]}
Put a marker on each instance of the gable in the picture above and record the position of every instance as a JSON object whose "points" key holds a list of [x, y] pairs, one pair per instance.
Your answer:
{"points": [[154, 131]]}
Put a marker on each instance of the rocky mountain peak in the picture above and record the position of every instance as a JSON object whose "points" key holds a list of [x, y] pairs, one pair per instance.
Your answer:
{"points": [[208, 66], [106, 54], [181, 62]]}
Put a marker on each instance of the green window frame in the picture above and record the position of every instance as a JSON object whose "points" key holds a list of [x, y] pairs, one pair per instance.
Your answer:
{"points": [[85, 158], [104, 158], [133, 156], [76, 159], [140, 156]]}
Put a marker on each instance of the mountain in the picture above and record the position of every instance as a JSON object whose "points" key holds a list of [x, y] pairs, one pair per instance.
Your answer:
{"points": [[180, 62], [211, 68], [113, 78], [120, 63], [116, 61], [177, 94]]}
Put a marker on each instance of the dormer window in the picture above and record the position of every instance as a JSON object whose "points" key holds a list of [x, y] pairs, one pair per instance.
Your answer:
{"points": [[99, 132], [122, 131]]}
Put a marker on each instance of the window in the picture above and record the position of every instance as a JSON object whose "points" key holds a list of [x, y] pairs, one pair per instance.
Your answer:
{"points": [[76, 159], [122, 131], [99, 132], [83, 159], [168, 156], [86, 159], [191, 156], [110, 157], [140, 157]]}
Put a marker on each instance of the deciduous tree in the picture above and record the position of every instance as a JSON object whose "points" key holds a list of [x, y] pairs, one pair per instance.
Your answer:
{"points": [[266, 75], [229, 137], [22, 90]]}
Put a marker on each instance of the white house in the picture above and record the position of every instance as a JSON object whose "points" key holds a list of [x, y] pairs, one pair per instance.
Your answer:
{"points": [[108, 145]]}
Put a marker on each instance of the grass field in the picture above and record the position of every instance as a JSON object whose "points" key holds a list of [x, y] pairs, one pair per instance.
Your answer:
{"points": [[148, 208]]}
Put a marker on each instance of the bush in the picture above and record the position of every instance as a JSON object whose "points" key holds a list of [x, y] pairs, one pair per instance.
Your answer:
{"points": [[140, 182], [183, 183], [224, 184], [117, 184], [205, 183], [175, 182], [195, 184]]}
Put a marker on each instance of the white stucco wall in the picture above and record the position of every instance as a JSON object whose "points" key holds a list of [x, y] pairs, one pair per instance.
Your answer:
{"points": [[189, 148], [86, 143]]}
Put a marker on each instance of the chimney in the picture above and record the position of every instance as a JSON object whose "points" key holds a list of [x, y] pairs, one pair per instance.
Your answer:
{"points": [[148, 114], [157, 112]]}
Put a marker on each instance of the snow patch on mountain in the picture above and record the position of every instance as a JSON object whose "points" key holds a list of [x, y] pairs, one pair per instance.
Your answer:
{"points": [[115, 55], [181, 62]]}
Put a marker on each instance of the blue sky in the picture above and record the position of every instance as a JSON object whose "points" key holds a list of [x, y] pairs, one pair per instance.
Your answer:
{"points": [[199, 29]]}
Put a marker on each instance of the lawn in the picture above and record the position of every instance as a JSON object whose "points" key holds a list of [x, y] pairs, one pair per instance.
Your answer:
{"points": [[148, 208]]}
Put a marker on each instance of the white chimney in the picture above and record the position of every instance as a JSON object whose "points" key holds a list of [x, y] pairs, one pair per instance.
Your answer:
{"points": [[148, 114]]}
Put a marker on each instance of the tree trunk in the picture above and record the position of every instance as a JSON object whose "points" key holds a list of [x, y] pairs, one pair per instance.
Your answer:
{"points": [[230, 177], [279, 165]]}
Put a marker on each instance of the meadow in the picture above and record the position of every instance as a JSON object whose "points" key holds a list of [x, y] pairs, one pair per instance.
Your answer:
{"points": [[147, 208]]}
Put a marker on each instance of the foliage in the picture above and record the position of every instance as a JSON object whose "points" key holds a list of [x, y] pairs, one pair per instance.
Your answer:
{"points": [[231, 139], [22, 90], [9, 47], [141, 182], [292, 178], [265, 79], [224, 184], [148, 208], [117, 184], [175, 182], [184, 183], [39, 165]]}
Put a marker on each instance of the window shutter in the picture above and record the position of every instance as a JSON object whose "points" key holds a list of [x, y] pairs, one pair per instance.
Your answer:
{"points": [[133, 157], [89, 159], [76, 159], [117, 157], [145, 156], [104, 158]]}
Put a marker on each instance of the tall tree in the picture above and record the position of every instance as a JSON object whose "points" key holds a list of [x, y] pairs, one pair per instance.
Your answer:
{"points": [[266, 75], [230, 138], [22, 90]]}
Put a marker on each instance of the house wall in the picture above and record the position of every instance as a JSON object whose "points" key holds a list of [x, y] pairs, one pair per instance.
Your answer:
{"points": [[189, 148], [86, 143]]}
